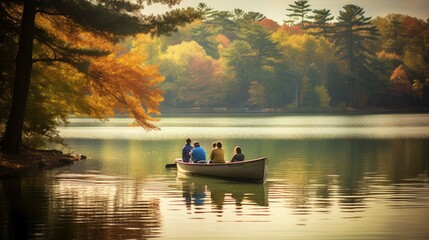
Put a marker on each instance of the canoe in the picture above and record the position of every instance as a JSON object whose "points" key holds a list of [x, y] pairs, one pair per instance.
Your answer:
{"points": [[248, 170]]}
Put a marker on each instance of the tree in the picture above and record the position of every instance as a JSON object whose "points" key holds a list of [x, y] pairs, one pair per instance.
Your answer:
{"points": [[240, 63], [394, 30], [173, 64], [280, 89], [418, 89], [400, 84], [204, 33], [324, 98], [299, 11], [207, 13], [256, 94], [321, 24], [264, 47], [353, 34], [376, 82], [269, 24], [206, 87], [302, 52], [110, 19], [231, 23], [193, 77]]}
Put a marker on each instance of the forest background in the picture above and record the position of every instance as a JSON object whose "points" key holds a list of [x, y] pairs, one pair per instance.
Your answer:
{"points": [[314, 61]]}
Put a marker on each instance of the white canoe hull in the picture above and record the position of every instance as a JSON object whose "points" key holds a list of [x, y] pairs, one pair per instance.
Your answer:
{"points": [[255, 169]]}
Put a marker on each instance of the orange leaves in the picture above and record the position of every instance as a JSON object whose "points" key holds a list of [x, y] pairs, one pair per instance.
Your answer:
{"points": [[222, 40], [131, 86], [269, 24], [206, 84], [400, 83], [115, 79]]}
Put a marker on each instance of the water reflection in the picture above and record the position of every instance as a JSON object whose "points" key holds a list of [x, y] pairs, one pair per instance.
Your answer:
{"points": [[14, 209], [317, 188], [201, 191], [106, 207]]}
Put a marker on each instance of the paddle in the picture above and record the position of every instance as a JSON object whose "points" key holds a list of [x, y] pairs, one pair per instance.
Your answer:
{"points": [[171, 165]]}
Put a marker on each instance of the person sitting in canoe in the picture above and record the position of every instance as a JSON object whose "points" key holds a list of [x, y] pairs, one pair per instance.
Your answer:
{"points": [[186, 151], [217, 154], [238, 155], [213, 147], [198, 153]]}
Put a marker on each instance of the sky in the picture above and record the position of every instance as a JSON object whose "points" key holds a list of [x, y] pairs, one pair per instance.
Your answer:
{"points": [[276, 9]]}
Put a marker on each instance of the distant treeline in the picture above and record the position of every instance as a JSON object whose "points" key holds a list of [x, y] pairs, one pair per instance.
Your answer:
{"points": [[311, 61]]}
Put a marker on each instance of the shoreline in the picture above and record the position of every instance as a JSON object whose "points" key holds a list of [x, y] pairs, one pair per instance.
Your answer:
{"points": [[220, 110], [36, 159]]}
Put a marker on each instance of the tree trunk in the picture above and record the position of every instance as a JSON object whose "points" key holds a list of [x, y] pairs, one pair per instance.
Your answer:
{"points": [[350, 51], [12, 139]]}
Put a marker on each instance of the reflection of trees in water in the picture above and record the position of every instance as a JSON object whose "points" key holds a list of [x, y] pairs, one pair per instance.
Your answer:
{"points": [[72, 209], [107, 208], [13, 208], [347, 174], [79, 208]]}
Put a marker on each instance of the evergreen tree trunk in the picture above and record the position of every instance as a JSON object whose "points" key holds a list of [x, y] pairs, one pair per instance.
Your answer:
{"points": [[12, 139], [350, 51]]}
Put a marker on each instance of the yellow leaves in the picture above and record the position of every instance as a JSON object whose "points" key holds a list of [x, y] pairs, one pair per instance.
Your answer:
{"points": [[114, 83], [180, 53], [324, 98]]}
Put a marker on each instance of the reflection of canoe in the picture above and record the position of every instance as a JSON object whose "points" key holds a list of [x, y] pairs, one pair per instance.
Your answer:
{"points": [[253, 170]]}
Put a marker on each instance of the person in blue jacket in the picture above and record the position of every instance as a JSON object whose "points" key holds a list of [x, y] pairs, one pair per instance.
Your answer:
{"points": [[198, 153], [186, 151]]}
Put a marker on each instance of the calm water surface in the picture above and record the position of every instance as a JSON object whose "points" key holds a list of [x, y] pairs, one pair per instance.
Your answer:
{"points": [[331, 177]]}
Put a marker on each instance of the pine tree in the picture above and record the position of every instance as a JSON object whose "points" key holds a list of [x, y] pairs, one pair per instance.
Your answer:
{"points": [[299, 10], [204, 33], [321, 24], [353, 34]]}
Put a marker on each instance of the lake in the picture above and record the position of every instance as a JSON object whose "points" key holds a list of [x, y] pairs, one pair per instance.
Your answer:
{"points": [[330, 177]]}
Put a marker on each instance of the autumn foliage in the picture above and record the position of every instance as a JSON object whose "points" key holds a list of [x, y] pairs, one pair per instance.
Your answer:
{"points": [[400, 83], [116, 82]]}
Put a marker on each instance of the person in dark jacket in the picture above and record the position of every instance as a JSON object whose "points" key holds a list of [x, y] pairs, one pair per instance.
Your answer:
{"points": [[186, 151], [238, 155]]}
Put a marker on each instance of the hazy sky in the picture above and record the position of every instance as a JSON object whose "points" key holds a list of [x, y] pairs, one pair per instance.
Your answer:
{"points": [[276, 9]]}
